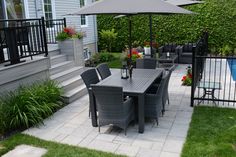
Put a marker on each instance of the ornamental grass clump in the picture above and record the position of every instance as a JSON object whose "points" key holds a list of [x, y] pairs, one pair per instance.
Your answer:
{"points": [[69, 33], [187, 79], [29, 106]]}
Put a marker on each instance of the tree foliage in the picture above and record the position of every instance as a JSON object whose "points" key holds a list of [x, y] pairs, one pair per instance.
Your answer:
{"points": [[218, 17]]}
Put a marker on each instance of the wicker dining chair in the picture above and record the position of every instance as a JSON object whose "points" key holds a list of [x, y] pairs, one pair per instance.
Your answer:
{"points": [[112, 109], [103, 70], [154, 100], [166, 86], [146, 63], [90, 77]]}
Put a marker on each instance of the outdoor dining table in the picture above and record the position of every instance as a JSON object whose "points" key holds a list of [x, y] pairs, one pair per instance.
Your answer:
{"points": [[136, 86]]}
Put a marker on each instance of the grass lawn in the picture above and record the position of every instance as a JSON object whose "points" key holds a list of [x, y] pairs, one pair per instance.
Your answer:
{"points": [[212, 133], [54, 149]]}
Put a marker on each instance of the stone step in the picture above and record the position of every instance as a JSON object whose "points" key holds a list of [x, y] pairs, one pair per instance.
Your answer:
{"points": [[57, 59], [54, 52], [74, 94], [60, 67], [72, 83], [67, 74]]}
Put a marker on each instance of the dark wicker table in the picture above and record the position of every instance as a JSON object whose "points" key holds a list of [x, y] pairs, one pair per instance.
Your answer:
{"points": [[136, 86], [167, 62]]}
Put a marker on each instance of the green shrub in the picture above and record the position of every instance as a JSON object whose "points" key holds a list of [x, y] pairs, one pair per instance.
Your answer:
{"points": [[226, 50], [108, 37], [105, 57], [29, 105], [98, 58], [216, 16]]}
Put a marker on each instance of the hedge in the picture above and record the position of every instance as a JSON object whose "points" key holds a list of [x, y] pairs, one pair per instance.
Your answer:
{"points": [[218, 17]]}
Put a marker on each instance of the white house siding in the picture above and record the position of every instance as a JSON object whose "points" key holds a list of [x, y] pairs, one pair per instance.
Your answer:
{"points": [[35, 8], [63, 7]]}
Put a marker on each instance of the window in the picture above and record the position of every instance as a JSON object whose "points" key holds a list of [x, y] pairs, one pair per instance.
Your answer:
{"points": [[48, 12], [15, 9], [48, 9], [83, 17]]}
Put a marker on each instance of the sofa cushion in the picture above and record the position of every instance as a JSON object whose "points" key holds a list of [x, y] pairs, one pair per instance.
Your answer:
{"points": [[188, 48], [187, 54]]}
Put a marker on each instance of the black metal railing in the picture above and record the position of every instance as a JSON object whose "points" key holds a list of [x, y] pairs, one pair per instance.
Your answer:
{"points": [[53, 27], [27, 37], [214, 77], [22, 38]]}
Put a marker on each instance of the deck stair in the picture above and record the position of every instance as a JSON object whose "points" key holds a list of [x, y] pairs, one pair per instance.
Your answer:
{"points": [[67, 75]]}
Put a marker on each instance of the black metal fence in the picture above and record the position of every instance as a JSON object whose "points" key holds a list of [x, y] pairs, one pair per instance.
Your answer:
{"points": [[53, 27], [27, 38], [214, 77]]}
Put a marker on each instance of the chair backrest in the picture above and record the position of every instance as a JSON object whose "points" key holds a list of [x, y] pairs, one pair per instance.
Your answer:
{"points": [[109, 101], [188, 47], [146, 63], [103, 70], [90, 77], [166, 85]]}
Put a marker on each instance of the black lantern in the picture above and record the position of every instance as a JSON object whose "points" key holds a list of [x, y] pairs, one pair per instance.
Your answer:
{"points": [[124, 72]]}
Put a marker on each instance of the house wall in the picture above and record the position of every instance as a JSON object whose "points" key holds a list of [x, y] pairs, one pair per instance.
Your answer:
{"points": [[62, 8], [24, 73]]}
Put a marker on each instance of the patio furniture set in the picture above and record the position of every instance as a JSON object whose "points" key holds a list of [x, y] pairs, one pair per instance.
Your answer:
{"points": [[118, 101], [176, 53]]}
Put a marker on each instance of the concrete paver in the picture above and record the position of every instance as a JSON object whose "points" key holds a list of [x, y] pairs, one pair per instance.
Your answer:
{"points": [[72, 125], [26, 151]]}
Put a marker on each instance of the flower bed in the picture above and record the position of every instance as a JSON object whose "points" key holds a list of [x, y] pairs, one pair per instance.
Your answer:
{"points": [[187, 79]]}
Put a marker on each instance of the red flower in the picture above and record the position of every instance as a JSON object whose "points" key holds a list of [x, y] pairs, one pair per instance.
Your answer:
{"points": [[70, 31], [190, 75], [184, 78]]}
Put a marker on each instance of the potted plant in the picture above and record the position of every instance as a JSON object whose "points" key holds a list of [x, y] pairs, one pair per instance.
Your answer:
{"points": [[147, 48], [70, 42]]}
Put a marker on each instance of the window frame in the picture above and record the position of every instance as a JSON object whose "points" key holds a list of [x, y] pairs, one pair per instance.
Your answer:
{"points": [[86, 17]]}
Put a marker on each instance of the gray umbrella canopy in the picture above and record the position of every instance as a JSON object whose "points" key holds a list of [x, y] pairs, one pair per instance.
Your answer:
{"points": [[183, 2], [131, 7]]}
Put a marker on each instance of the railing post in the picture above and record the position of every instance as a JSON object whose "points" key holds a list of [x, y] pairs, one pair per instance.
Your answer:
{"points": [[193, 76], [44, 36], [64, 19]]}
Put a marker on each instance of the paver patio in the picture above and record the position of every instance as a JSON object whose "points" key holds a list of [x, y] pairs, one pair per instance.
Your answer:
{"points": [[71, 125]]}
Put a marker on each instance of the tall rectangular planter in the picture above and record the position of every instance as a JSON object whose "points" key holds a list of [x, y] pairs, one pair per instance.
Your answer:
{"points": [[74, 50]]}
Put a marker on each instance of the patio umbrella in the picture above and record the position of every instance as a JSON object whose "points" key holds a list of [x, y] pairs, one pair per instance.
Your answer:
{"points": [[129, 8]]}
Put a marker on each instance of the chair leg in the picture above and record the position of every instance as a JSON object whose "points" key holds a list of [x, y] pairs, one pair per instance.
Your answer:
{"points": [[125, 131], [89, 111], [99, 127], [168, 99], [157, 121]]}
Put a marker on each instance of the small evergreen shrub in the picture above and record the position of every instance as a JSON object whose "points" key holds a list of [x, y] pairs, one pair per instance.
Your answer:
{"points": [[28, 106], [108, 37], [98, 58]]}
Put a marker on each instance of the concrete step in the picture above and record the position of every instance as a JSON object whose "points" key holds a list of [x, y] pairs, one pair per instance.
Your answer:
{"points": [[57, 59], [72, 83], [57, 68], [67, 74], [74, 94], [54, 52]]}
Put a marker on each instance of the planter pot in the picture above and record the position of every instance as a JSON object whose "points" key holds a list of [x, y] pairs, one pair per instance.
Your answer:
{"points": [[147, 50], [74, 50]]}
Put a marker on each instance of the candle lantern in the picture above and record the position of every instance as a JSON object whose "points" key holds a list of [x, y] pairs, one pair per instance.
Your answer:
{"points": [[124, 72], [168, 54]]}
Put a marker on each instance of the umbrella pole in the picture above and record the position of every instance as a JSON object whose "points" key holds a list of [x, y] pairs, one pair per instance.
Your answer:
{"points": [[150, 27], [130, 40]]}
